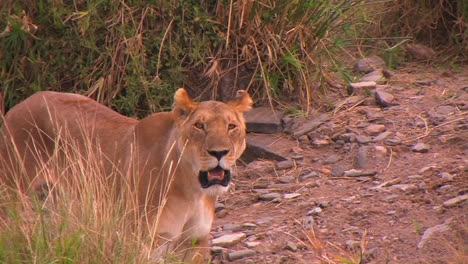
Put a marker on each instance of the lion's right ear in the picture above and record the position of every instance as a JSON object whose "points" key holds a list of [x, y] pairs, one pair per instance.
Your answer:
{"points": [[183, 104]]}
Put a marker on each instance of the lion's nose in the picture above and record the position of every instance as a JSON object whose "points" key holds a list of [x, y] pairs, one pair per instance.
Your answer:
{"points": [[218, 153]]}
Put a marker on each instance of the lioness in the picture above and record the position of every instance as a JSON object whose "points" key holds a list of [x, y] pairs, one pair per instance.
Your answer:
{"points": [[183, 157]]}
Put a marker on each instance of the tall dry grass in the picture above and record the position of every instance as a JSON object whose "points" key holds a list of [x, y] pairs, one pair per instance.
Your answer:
{"points": [[72, 211]]}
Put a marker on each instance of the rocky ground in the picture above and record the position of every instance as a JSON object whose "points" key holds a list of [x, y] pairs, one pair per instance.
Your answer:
{"points": [[383, 176]]}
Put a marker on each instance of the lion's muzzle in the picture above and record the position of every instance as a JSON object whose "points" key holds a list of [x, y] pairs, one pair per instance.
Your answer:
{"points": [[215, 176]]}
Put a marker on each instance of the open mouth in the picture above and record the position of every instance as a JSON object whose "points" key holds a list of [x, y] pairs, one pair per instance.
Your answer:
{"points": [[214, 176]]}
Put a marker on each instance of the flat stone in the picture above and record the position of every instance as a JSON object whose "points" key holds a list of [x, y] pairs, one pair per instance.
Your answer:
{"points": [[363, 139], [373, 76], [374, 129], [446, 176], [308, 175], [406, 188], [291, 195], [285, 164], [383, 98], [382, 136], [264, 220], [228, 240], [255, 151], [232, 227], [315, 211], [421, 148], [263, 120], [269, 196], [291, 246], [358, 173], [361, 87], [287, 179], [388, 183], [217, 250], [249, 225], [431, 232], [320, 142], [252, 244], [369, 64], [332, 159], [455, 201], [348, 137], [391, 198], [380, 151], [240, 254], [310, 125], [337, 171]]}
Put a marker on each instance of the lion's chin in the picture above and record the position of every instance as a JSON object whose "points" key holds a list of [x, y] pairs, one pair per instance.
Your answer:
{"points": [[214, 177]]}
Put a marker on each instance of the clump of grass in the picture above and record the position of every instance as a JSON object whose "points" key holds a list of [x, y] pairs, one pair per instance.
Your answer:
{"points": [[80, 215], [441, 25], [328, 253], [132, 55]]}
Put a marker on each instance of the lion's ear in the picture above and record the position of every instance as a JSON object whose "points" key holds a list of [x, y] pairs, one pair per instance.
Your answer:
{"points": [[242, 102], [183, 104]]}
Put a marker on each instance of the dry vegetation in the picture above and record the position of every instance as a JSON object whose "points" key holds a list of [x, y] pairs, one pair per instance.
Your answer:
{"points": [[132, 55]]}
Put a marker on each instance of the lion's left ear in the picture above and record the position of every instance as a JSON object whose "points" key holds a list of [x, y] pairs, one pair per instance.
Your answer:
{"points": [[242, 102], [183, 103]]}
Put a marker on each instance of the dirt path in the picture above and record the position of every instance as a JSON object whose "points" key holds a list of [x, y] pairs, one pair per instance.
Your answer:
{"points": [[396, 210]]}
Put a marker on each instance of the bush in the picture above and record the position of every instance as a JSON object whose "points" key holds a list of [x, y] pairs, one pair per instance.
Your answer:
{"points": [[132, 55]]}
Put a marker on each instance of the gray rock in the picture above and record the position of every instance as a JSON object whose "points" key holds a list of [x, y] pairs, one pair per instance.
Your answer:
{"points": [[348, 137], [287, 179], [332, 159], [310, 125], [445, 110], [252, 244], [421, 148], [382, 136], [455, 201], [285, 164], [291, 246], [373, 76], [393, 141], [361, 158], [320, 142], [291, 195], [315, 211], [264, 220], [363, 139], [240, 254], [383, 98], [232, 227], [337, 171], [391, 198], [255, 151], [308, 175], [424, 82], [269, 196], [446, 176], [263, 120], [369, 64], [217, 250], [359, 173], [406, 188], [228, 240], [361, 87], [431, 232]]}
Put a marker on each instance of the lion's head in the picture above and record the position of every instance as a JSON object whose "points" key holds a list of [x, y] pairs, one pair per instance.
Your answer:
{"points": [[212, 136]]}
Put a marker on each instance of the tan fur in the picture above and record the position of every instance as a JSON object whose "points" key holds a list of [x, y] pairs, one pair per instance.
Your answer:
{"points": [[163, 150]]}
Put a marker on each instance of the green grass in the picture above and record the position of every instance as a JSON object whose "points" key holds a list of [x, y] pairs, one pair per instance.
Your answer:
{"points": [[132, 55]]}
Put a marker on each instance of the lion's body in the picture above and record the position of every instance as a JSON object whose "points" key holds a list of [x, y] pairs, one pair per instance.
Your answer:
{"points": [[166, 154]]}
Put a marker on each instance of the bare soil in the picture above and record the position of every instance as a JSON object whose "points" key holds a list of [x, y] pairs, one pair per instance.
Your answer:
{"points": [[355, 215]]}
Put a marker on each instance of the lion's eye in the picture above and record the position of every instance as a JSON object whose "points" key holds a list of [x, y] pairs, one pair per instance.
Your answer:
{"points": [[231, 126], [199, 125]]}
